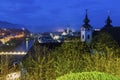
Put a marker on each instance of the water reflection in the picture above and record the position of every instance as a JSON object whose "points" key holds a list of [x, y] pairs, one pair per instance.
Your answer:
{"points": [[24, 47]]}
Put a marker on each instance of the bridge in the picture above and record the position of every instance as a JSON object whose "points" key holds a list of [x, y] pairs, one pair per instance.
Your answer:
{"points": [[13, 53]]}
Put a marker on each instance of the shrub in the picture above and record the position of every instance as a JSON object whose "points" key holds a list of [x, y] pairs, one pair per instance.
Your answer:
{"points": [[87, 76]]}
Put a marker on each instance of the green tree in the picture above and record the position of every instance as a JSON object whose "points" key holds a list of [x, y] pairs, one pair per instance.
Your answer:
{"points": [[39, 64], [104, 42], [68, 57]]}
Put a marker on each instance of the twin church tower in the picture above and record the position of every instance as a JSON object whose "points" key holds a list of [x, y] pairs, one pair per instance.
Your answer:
{"points": [[87, 30]]}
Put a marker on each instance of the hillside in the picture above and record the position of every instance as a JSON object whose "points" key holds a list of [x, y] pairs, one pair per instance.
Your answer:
{"points": [[13, 27], [4, 24]]}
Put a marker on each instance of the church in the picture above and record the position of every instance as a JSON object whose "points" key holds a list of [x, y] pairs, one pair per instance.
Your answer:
{"points": [[87, 31]]}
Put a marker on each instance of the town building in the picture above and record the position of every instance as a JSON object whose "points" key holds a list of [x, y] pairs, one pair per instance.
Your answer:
{"points": [[67, 32]]}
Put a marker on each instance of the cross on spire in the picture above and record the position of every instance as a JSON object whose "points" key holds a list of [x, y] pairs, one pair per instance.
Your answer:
{"points": [[108, 12]]}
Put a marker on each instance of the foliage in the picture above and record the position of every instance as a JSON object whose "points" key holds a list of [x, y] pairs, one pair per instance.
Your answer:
{"points": [[108, 63], [67, 57], [40, 66], [3, 66], [104, 41], [87, 76], [41, 69], [70, 57]]}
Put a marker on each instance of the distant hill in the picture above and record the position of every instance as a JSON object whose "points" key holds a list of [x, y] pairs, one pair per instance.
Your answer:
{"points": [[4, 24]]}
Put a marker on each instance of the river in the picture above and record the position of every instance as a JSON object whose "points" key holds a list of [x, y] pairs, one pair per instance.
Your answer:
{"points": [[24, 46]]}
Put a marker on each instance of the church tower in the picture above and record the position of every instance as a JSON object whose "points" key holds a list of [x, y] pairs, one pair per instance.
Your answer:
{"points": [[108, 22], [107, 27], [86, 30]]}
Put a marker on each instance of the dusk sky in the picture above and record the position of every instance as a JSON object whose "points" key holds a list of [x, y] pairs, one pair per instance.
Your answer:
{"points": [[51, 15]]}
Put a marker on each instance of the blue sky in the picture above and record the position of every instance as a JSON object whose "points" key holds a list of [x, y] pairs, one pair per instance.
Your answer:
{"points": [[50, 15]]}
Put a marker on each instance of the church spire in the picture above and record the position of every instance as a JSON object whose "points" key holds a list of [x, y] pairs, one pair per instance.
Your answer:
{"points": [[108, 20], [86, 20]]}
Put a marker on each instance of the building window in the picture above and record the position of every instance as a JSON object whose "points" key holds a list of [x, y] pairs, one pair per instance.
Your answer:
{"points": [[82, 36], [88, 36]]}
